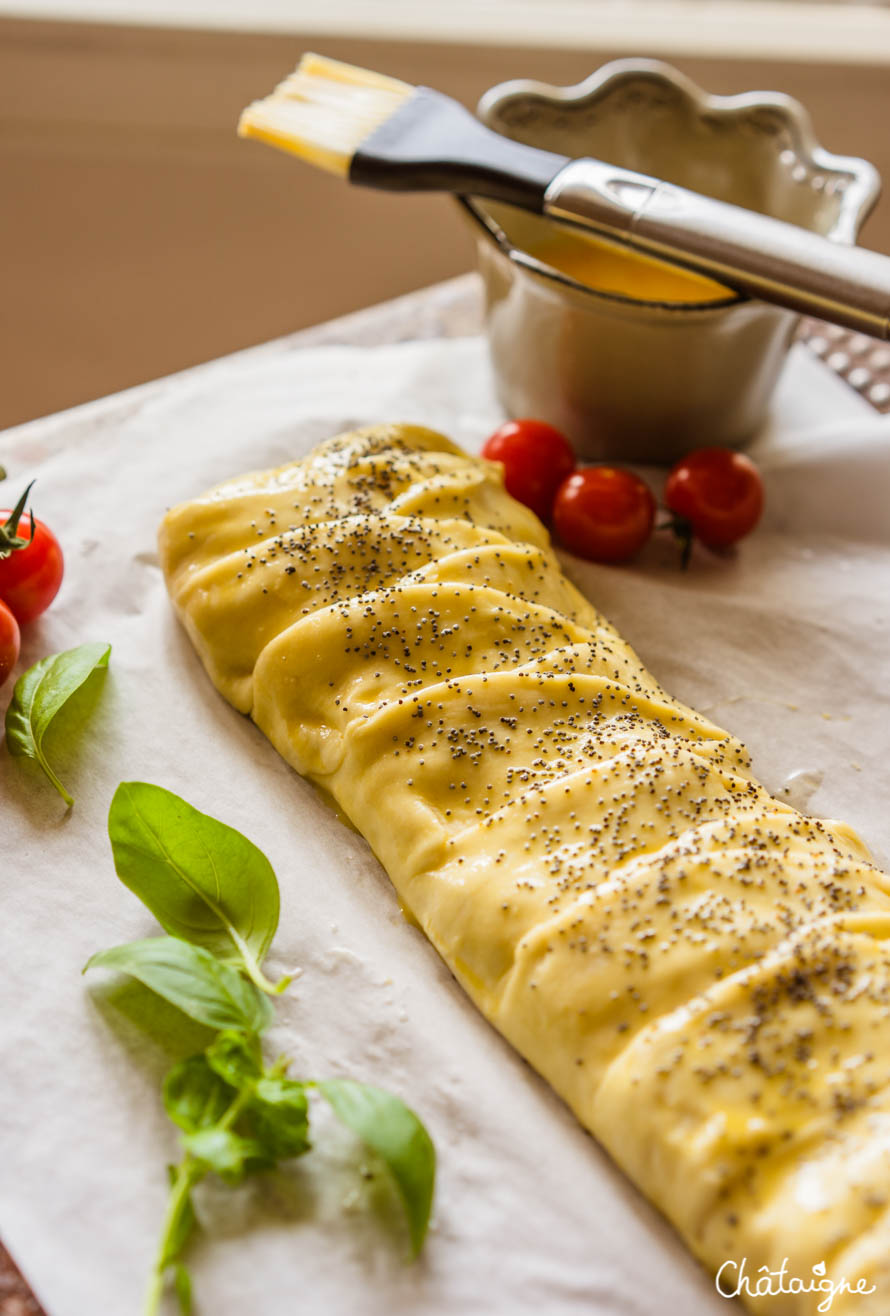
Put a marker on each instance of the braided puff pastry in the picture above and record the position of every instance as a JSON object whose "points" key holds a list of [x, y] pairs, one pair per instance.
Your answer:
{"points": [[700, 971]]}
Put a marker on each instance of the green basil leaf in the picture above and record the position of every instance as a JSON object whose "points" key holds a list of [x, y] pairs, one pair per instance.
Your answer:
{"points": [[195, 1097], [236, 1058], [396, 1134], [182, 1287], [192, 979], [40, 693], [227, 1153], [202, 880], [278, 1116]]}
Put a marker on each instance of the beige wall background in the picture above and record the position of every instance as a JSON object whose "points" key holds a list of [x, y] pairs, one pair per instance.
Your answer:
{"points": [[140, 236]]}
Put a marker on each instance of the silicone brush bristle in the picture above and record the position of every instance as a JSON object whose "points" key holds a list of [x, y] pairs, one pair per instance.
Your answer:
{"points": [[324, 111]]}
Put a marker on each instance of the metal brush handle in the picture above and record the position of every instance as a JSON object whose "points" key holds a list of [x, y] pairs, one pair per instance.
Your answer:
{"points": [[749, 252]]}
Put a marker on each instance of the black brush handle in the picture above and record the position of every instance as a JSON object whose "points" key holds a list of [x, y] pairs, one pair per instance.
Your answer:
{"points": [[433, 144]]}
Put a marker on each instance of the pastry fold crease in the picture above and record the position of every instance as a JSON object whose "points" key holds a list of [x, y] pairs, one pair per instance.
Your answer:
{"points": [[700, 971]]}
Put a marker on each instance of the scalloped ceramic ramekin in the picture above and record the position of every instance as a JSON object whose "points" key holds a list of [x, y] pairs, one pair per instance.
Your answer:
{"points": [[630, 378]]}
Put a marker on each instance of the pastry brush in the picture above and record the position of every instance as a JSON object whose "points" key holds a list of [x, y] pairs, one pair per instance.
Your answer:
{"points": [[380, 132]]}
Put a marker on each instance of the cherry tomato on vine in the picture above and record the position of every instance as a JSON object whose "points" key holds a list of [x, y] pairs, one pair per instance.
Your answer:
{"points": [[718, 493], [9, 642], [604, 513], [31, 563], [536, 459]]}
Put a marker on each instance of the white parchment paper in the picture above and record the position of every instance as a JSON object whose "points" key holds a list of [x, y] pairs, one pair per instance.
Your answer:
{"points": [[785, 643]]}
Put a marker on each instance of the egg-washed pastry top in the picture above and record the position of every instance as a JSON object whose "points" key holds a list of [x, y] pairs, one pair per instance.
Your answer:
{"points": [[700, 971]]}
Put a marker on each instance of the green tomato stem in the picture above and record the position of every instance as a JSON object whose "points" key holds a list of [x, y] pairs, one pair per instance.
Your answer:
{"points": [[10, 539]]}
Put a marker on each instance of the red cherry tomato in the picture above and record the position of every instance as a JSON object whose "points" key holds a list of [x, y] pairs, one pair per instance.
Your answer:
{"points": [[536, 459], [718, 492], [604, 513], [9, 642], [30, 568]]}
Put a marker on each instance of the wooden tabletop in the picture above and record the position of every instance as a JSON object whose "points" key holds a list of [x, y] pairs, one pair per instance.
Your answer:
{"points": [[453, 310]]}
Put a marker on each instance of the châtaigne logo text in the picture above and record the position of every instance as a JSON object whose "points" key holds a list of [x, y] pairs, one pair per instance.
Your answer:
{"points": [[733, 1281]]}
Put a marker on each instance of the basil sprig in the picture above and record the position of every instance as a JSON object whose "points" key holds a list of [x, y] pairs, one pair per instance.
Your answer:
{"points": [[40, 693], [217, 895]]}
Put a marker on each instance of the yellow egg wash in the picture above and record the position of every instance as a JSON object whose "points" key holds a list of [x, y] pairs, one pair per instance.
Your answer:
{"points": [[699, 970], [608, 267]]}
